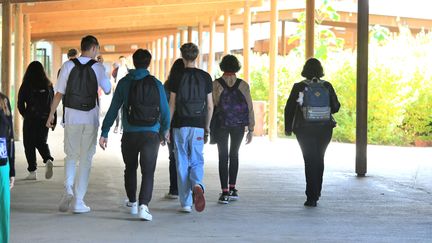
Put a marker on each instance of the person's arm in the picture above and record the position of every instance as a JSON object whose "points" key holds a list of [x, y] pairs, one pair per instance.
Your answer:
{"points": [[56, 101], [22, 95], [103, 79], [209, 112], [10, 145], [334, 102], [290, 109]]}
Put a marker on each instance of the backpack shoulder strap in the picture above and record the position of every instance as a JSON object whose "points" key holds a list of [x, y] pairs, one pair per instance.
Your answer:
{"points": [[91, 62], [237, 84], [76, 62], [222, 82]]}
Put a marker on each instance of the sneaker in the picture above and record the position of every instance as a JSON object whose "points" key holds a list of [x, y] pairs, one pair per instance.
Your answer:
{"points": [[224, 198], [233, 195], [198, 198], [185, 209], [80, 207], [31, 176], [144, 213], [49, 169], [171, 196], [133, 207], [65, 202], [310, 203], [115, 129]]}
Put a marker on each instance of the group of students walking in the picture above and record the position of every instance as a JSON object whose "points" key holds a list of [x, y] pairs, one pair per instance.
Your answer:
{"points": [[183, 112]]}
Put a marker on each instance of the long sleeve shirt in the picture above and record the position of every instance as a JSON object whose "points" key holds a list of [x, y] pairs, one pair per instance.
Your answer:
{"points": [[120, 99], [7, 151]]}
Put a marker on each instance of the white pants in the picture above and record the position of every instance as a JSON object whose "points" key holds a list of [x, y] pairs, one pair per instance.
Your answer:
{"points": [[79, 145]]}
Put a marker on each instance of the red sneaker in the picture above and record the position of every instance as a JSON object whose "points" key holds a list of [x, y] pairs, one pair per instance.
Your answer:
{"points": [[198, 198]]}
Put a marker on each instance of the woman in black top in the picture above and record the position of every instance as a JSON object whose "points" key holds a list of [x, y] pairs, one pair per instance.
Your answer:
{"points": [[34, 103], [312, 136], [176, 72], [7, 166]]}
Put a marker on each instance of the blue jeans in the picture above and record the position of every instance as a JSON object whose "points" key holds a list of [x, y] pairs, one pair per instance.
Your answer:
{"points": [[188, 149]]}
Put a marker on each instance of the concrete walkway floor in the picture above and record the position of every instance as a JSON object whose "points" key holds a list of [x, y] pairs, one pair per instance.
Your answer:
{"points": [[392, 204]]}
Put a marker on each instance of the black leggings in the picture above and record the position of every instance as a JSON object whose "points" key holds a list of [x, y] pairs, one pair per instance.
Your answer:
{"points": [[313, 142], [146, 145], [172, 166], [236, 137], [35, 136]]}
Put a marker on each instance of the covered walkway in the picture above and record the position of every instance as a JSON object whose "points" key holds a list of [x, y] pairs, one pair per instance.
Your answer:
{"points": [[387, 206]]}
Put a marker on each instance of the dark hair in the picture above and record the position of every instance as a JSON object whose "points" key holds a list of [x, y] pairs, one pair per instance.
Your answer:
{"points": [[189, 51], [230, 64], [141, 58], [35, 76], [312, 69], [88, 42], [176, 69], [72, 53], [120, 57]]}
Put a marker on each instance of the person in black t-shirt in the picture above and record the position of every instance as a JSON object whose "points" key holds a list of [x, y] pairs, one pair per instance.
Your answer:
{"points": [[191, 104]]}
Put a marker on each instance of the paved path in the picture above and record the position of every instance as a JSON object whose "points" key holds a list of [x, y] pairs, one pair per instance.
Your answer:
{"points": [[392, 204]]}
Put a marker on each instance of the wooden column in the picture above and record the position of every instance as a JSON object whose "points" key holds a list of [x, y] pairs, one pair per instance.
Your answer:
{"points": [[167, 58], [200, 44], [362, 86], [6, 47], [27, 40], [211, 54], [182, 37], [154, 56], [175, 47], [161, 59], [189, 34], [272, 127], [56, 61], [227, 28], [157, 56], [310, 28], [246, 37], [283, 39], [19, 36]]}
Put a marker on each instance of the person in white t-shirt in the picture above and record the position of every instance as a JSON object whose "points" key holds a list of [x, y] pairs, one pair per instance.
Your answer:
{"points": [[81, 126], [121, 72]]}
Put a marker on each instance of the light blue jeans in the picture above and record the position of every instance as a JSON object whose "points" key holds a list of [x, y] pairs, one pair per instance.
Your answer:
{"points": [[188, 150]]}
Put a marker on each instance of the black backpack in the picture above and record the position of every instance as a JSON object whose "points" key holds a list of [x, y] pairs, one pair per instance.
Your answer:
{"points": [[39, 103], [191, 97], [143, 102], [81, 90], [233, 106]]}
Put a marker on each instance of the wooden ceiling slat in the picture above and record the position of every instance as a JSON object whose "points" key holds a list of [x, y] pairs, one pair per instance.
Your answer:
{"points": [[85, 5]]}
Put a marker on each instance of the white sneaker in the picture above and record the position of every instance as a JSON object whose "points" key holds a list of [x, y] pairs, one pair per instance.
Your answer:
{"points": [[133, 207], [65, 202], [144, 213], [49, 169], [185, 209], [80, 207], [31, 176]]}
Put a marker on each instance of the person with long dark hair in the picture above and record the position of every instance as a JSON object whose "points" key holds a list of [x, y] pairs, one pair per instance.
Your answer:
{"points": [[233, 113], [34, 102], [176, 72], [308, 113], [7, 166]]}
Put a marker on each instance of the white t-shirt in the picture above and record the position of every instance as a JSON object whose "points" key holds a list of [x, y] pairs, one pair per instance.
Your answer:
{"points": [[73, 116]]}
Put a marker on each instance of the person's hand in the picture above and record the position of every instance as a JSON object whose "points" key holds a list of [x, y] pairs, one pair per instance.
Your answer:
{"points": [[50, 121], [167, 137], [206, 137], [249, 137], [11, 182], [103, 142]]}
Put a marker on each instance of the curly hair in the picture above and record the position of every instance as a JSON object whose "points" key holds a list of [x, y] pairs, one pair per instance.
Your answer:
{"points": [[230, 64], [312, 69]]}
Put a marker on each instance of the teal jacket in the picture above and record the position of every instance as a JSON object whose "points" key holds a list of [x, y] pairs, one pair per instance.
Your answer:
{"points": [[120, 99]]}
